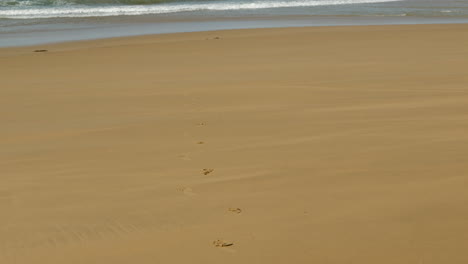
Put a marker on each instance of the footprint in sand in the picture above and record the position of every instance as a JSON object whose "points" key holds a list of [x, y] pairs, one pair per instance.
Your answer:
{"points": [[200, 142], [207, 171], [222, 243], [235, 210], [186, 190], [201, 124]]}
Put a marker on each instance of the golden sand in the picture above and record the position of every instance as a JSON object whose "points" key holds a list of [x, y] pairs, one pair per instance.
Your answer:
{"points": [[302, 145]]}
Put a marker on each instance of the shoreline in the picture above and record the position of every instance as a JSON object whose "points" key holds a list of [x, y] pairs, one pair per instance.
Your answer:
{"points": [[84, 30], [291, 145]]}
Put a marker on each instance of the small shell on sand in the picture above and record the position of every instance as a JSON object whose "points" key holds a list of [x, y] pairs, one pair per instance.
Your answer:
{"points": [[222, 243], [207, 171], [235, 210]]}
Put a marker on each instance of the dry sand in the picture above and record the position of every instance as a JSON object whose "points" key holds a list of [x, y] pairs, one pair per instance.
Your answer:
{"points": [[301, 145]]}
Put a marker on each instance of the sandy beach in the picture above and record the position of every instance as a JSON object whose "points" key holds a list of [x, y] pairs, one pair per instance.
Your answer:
{"points": [[296, 145]]}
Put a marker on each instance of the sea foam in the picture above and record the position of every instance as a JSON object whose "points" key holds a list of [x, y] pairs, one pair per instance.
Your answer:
{"points": [[125, 10]]}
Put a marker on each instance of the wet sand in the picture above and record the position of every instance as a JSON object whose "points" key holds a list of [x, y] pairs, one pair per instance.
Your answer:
{"points": [[299, 145]]}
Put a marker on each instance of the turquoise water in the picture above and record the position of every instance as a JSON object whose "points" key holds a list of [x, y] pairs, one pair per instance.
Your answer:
{"points": [[27, 22]]}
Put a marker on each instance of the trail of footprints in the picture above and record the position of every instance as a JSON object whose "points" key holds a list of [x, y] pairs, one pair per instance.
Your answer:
{"points": [[221, 243]]}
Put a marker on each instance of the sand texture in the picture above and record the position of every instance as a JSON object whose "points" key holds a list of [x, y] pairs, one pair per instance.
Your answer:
{"points": [[302, 145]]}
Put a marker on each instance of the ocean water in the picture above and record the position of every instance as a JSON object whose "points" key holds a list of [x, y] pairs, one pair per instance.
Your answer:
{"points": [[28, 22], [27, 9], [34, 9]]}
